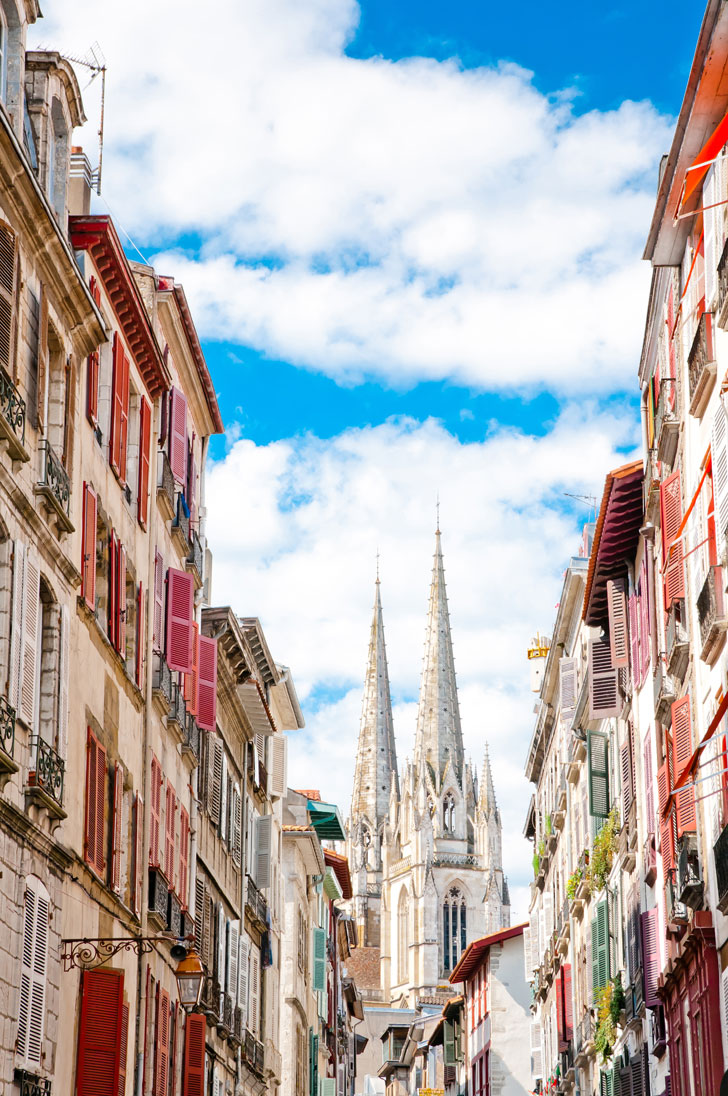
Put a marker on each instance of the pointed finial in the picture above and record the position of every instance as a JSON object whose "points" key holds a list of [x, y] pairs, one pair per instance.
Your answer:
{"points": [[437, 530], [377, 565]]}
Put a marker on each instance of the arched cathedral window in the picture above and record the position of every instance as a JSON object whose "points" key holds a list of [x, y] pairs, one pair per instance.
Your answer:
{"points": [[448, 813], [403, 938], [454, 933]]}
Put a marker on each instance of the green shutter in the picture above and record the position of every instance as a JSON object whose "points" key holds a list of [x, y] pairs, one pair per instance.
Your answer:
{"points": [[448, 1038], [600, 946], [598, 745], [606, 1082], [319, 960], [312, 1063]]}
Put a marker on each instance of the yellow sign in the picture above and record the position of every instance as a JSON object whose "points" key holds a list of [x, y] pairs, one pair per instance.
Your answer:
{"points": [[431, 1091]]}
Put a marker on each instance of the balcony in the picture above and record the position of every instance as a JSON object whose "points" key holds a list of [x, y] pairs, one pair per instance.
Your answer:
{"points": [[177, 714], [7, 742], [162, 687], [676, 912], [701, 365], [677, 647], [191, 737], [253, 1053], [566, 1062], [181, 525], [720, 852], [54, 488], [722, 303], [712, 615], [195, 560], [649, 859], [165, 486], [225, 1020], [174, 914], [562, 941], [652, 488], [29, 1084], [45, 779], [273, 1061], [689, 878], [210, 999], [663, 692], [158, 898], [658, 1031], [255, 905], [12, 419], [667, 422], [584, 1040]]}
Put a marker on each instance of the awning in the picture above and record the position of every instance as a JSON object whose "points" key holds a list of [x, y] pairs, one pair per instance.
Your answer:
{"points": [[700, 165], [326, 820], [256, 707], [340, 866], [615, 538]]}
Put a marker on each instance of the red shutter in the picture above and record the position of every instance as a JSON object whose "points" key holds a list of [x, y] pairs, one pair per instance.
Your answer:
{"points": [[93, 288], [145, 425], [139, 637], [170, 835], [121, 599], [651, 955], [113, 586], [124, 425], [671, 519], [161, 1062], [92, 388], [123, 1049], [117, 835], [560, 1010], [682, 750], [190, 681], [155, 812], [177, 434], [173, 1049], [568, 1011], [667, 837], [116, 405], [184, 856], [88, 550], [138, 842], [180, 607], [194, 1068], [158, 601], [207, 683], [95, 800], [100, 1033]]}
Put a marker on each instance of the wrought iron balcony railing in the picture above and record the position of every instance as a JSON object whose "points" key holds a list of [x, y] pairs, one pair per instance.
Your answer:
{"points": [[722, 306], [162, 679], [177, 708], [191, 739], [174, 914], [675, 910], [32, 1085], [256, 903], [195, 560], [49, 770], [649, 859], [165, 484], [720, 852], [227, 1013], [712, 614], [54, 486], [181, 523], [689, 876], [158, 895], [7, 727], [667, 422], [677, 648], [12, 411]]}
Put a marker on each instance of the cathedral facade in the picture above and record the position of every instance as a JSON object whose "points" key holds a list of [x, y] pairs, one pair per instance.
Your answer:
{"points": [[424, 845]]}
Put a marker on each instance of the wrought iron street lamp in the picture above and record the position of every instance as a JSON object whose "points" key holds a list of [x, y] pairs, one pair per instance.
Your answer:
{"points": [[190, 975]]}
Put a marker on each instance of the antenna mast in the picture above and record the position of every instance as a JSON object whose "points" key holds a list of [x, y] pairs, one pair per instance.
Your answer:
{"points": [[96, 63]]}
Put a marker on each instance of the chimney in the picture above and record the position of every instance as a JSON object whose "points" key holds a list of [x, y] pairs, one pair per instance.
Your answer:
{"points": [[79, 183]]}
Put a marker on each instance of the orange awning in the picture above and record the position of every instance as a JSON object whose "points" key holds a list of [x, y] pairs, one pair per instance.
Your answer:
{"points": [[699, 167]]}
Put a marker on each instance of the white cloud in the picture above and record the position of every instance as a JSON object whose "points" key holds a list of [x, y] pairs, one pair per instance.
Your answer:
{"points": [[425, 221], [295, 526]]}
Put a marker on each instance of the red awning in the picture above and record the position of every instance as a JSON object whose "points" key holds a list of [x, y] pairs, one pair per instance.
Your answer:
{"points": [[475, 952], [615, 538], [699, 167]]}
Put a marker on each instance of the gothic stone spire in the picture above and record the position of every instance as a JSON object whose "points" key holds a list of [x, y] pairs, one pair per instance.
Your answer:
{"points": [[376, 758], [487, 801], [439, 738]]}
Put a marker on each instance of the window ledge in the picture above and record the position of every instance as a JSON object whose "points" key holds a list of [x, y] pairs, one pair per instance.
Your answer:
{"points": [[38, 801]]}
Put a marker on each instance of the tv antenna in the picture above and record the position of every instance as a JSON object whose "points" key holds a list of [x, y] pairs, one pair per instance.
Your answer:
{"points": [[95, 62]]}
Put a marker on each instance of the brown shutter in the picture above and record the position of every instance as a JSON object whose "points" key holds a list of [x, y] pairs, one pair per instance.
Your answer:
{"points": [[184, 855], [124, 422], [190, 680], [117, 835], [618, 635], [603, 681], [123, 1049], [155, 812], [170, 835], [88, 560], [177, 434], [161, 1063], [158, 601], [8, 296], [139, 661], [92, 388], [206, 706], [138, 843], [121, 599]]}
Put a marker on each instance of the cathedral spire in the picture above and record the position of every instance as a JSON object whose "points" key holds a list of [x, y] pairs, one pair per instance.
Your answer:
{"points": [[376, 758], [486, 799], [439, 738]]}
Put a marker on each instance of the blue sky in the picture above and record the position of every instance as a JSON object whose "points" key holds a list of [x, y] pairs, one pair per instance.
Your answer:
{"points": [[411, 238]]}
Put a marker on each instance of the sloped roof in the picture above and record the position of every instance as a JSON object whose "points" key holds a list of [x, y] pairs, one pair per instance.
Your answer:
{"points": [[474, 954]]}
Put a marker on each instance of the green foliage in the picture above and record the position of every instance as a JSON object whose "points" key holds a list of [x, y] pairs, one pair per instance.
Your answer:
{"points": [[573, 882], [549, 825], [618, 999], [602, 854], [536, 862], [541, 848], [606, 1031]]}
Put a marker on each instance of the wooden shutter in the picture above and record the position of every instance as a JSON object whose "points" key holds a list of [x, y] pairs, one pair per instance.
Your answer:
{"points": [[649, 790], [178, 434], [598, 752], [161, 1057], [667, 840], [682, 751], [560, 1010], [118, 837], [221, 945], [158, 618], [30, 633], [121, 599], [243, 961], [568, 1007], [184, 856], [123, 1048], [155, 813], [88, 547], [92, 388], [254, 990], [277, 776], [63, 676], [145, 433], [100, 1032], [190, 680], [319, 960], [95, 801], [625, 756], [215, 783], [603, 681], [206, 704], [719, 464], [224, 798], [633, 612], [536, 1051], [618, 631], [139, 657], [193, 1080], [138, 841], [113, 588], [200, 914], [8, 268], [671, 519], [567, 687], [651, 965], [180, 608], [236, 817], [16, 628], [233, 954], [116, 404], [263, 849], [170, 835], [600, 946], [33, 973]]}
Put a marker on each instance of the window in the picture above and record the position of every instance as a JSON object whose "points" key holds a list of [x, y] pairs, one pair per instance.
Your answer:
{"points": [[33, 972], [145, 426], [155, 812], [8, 278], [454, 936], [302, 938], [448, 813], [170, 843], [119, 410], [53, 667], [95, 803], [403, 937], [6, 585]]}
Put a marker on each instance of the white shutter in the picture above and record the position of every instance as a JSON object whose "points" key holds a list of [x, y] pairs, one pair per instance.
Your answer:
{"points": [[243, 960], [16, 632], [124, 851], [236, 820], [224, 797], [277, 774], [536, 1055], [63, 683], [233, 941], [536, 950], [254, 1014], [263, 840], [215, 756], [221, 944], [33, 975], [719, 456], [548, 905], [31, 626], [712, 255], [217, 1085], [567, 687], [527, 961], [724, 999]]}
